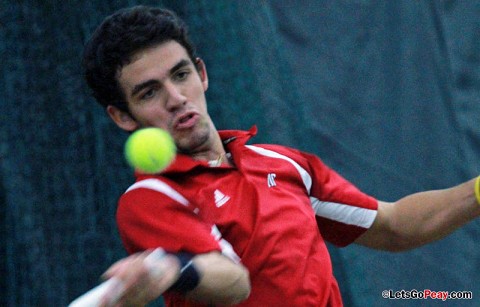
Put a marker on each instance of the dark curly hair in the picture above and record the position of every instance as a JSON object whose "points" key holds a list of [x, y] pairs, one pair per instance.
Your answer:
{"points": [[118, 38]]}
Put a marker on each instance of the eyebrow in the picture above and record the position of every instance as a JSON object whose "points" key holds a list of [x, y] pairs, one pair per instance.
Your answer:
{"points": [[139, 87]]}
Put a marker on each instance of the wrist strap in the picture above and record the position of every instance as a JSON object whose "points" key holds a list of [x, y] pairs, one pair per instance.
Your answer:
{"points": [[477, 189], [189, 276]]}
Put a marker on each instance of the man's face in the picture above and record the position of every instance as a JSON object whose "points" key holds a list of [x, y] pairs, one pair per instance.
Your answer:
{"points": [[164, 89]]}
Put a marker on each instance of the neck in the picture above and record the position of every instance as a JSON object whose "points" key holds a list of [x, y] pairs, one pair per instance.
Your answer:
{"points": [[223, 159], [213, 152]]}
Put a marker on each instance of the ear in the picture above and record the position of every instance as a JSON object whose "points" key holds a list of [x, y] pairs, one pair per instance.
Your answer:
{"points": [[122, 118], [202, 71]]}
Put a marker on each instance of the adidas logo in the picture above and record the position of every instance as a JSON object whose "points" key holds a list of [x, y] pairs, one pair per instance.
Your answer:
{"points": [[220, 198]]}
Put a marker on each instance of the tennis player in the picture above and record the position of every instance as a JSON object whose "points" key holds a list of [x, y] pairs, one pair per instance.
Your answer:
{"points": [[229, 223]]}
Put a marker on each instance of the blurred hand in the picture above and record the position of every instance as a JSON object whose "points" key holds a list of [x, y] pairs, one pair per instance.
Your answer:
{"points": [[140, 278]]}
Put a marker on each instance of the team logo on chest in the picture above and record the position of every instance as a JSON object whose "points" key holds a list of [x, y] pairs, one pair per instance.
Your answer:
{"points": [[220, 198], [271, 180]]}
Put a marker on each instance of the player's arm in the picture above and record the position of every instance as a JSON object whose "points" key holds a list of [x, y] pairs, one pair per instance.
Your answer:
{"points": [[144, 217], [421, 218], [222, 282], [215, 279]]}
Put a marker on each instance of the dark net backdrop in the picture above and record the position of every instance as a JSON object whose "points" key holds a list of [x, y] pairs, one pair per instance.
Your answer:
{"points": [[386, 92]]}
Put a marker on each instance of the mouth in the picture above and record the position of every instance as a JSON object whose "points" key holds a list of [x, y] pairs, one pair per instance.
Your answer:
{"points": [[186, 120]]}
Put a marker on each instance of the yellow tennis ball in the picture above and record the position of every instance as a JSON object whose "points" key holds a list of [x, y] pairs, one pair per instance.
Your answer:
{"points": [[150, 150]]}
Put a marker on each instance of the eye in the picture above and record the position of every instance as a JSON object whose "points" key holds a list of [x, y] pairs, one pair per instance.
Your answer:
{"points": [[148, 94], [182, 75]]}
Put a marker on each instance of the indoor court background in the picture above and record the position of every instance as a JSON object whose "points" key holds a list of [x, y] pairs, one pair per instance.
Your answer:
{"points": [[385, 92]]}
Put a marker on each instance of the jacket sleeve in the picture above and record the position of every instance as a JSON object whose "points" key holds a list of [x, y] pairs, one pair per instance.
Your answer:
{"points": [[152, 214], [342, 211]]}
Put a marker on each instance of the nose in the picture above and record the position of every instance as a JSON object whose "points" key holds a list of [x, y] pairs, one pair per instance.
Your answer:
{"points": [[175, 97]]}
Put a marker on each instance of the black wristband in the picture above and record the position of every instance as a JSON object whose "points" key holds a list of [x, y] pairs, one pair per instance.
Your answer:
{"points": [[189, 276]]}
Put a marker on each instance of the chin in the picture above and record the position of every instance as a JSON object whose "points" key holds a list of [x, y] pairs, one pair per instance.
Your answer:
{"points": [[194, 143]]}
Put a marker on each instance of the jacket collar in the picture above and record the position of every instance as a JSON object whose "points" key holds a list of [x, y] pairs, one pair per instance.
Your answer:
{"points": [[232, 140]]}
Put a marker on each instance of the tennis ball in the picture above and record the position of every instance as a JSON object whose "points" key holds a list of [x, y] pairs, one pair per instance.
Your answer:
{"points": [[150, 150]]}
